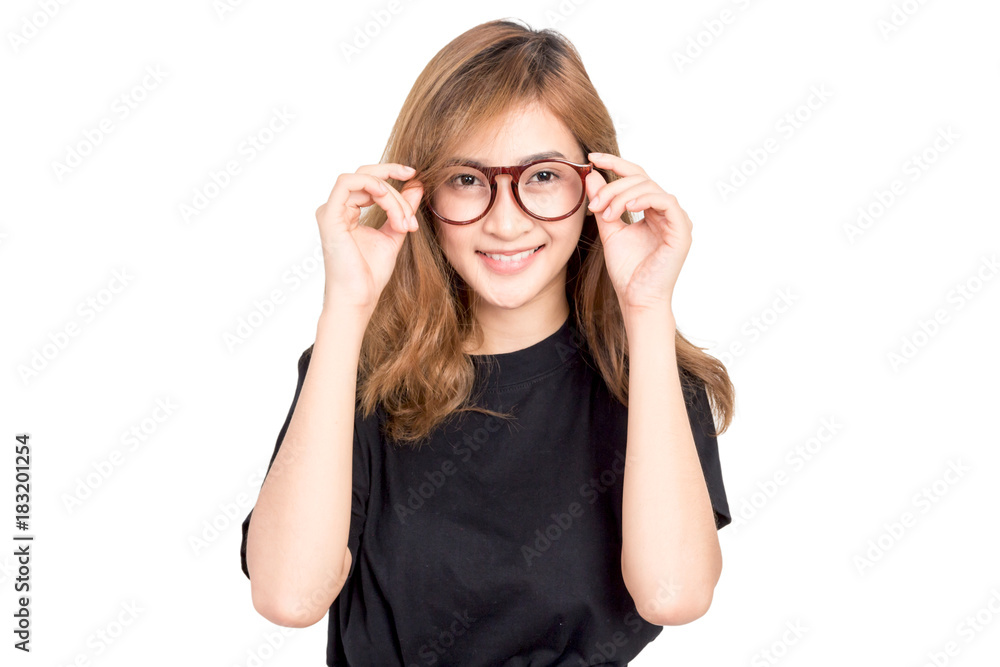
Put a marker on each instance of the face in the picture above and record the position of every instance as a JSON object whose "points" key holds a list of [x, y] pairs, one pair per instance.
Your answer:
{"points": [[540, 279]]}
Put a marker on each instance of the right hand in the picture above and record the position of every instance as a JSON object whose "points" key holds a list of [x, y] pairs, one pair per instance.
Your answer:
{"points": [[359, 259]]}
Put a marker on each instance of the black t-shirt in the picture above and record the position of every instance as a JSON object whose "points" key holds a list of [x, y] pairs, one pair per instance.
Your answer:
{"points": [[498, 542]]}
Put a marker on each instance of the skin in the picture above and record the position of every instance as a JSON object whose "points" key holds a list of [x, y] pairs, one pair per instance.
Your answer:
{"points": [[516, 310], [671, 560]]}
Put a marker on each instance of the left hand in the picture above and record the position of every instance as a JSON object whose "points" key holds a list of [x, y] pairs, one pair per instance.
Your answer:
{"points": [[644, 258]]}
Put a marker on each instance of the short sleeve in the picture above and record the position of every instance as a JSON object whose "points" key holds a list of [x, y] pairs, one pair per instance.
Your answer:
{"points": [[361, 468], [703, 430]]}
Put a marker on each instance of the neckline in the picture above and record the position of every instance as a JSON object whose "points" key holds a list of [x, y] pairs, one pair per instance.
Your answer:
{"points": [[496, 371]]}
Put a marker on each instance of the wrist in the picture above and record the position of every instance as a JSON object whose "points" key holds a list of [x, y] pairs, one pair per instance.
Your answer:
{"points": [[343, 318], [661, 315], [652, 328]]}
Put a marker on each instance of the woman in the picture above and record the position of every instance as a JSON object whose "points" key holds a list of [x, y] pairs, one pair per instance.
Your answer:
{"points": [[461, 431]]}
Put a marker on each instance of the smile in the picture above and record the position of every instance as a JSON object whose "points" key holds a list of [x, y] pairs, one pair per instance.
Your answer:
{"points": [[509, 263], [510, 258]]}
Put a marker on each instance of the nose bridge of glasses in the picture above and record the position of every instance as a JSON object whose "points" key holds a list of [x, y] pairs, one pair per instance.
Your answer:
{"points": [[513, 173], [504, 179], [503, 182]]}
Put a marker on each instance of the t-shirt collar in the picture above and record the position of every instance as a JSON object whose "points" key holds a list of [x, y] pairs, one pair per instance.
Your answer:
{"points": [[510, 368]]}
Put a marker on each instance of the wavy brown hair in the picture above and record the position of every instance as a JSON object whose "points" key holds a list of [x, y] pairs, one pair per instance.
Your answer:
{"points": [[412, 357]]}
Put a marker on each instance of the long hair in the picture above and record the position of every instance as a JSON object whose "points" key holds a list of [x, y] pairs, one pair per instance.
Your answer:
{"points": [[412, 359]]}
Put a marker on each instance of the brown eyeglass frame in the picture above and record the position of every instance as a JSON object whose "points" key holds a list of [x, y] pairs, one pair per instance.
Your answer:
{"points": [[515, 173]]}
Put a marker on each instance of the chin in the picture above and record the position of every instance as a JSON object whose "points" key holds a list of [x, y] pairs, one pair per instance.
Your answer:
{"points": [[505, 301], [509, 292]]}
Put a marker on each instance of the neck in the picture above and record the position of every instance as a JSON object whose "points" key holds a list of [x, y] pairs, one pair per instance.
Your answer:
{"points": [[508, 330]]}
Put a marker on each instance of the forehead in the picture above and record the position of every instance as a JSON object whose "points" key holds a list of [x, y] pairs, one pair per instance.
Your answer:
{"points": [[518, 136]]}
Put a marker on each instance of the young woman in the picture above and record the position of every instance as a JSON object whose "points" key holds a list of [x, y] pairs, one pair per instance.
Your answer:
{"points": [[500, 451]]}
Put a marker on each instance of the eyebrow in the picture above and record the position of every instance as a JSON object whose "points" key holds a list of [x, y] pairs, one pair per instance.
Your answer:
{"points": [[526, 159]]}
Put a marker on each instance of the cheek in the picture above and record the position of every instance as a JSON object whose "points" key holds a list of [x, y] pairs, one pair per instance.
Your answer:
{"points": [[453, 243], [570, 237]]}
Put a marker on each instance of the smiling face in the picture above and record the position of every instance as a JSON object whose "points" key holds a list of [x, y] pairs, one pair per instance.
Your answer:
{"points": [[536, 283]]}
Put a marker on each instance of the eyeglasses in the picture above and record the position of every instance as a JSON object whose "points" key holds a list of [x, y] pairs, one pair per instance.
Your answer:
{"points": [[546, 190]]}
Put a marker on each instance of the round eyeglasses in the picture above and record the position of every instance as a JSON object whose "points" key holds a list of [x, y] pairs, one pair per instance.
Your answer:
{"points": [[548, 190]]}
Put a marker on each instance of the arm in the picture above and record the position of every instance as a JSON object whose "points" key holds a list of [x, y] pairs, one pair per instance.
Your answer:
{"points": [[303, 512], [671, 559]]}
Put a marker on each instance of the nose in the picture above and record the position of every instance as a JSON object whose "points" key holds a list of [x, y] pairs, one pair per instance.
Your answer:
{"points": [[505, 219]]}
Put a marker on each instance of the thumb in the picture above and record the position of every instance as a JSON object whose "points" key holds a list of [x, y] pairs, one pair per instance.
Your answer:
{"points": [[413, 192], [595, 181]]}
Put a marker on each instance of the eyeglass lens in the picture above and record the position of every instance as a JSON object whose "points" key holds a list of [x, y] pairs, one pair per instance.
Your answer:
{"points": [[547, 189]]}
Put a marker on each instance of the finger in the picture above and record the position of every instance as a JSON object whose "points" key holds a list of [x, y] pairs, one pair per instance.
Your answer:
{"points": [[594, 182], [404, 175], [347, 196], [395, 171], [617, 204], [616, 164], [605, 228], [677, 219], [380, 171], [362, 189], [607, 193], [668, 203], [398, 210], [386, 170], [412, 193], [402, 221]]}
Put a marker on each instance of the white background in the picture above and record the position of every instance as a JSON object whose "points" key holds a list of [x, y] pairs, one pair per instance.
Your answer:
{"points": [[791, 555]]}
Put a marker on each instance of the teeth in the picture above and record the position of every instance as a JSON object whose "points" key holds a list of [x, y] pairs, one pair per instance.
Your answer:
{"points": [[511, 258]]}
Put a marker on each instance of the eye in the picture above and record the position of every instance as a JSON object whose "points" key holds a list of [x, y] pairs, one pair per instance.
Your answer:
{"points": [[463, 180], [543, 176]]}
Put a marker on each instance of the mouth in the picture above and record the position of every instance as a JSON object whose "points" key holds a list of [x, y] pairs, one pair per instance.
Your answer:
{"points": [[506, 264], [515, 257]]}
